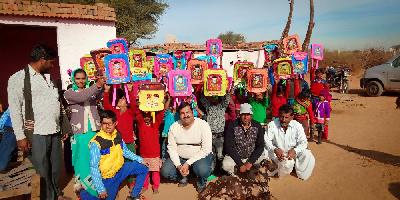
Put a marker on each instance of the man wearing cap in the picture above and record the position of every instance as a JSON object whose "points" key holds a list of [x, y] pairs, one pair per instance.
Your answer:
{"points": [[244, 142]]}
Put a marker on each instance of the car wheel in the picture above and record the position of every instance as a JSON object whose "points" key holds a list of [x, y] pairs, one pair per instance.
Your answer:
{"points": [[374, 89]]}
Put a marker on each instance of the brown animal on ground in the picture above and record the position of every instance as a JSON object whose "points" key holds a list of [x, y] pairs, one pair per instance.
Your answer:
{"points": [[250, 186]]}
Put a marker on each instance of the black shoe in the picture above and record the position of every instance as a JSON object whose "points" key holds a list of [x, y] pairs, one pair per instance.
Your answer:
{"points": [[183, 182]]}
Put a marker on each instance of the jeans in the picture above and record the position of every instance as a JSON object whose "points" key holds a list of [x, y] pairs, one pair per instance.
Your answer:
{"points": [[112, 184], [201, 168], [8, 145]]}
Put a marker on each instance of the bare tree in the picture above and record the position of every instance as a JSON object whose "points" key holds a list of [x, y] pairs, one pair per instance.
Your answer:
{"points": [[285, 32], [310, 27]]}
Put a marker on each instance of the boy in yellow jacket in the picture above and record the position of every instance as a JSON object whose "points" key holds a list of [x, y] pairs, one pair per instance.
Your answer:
{"points": [[107, 166]]}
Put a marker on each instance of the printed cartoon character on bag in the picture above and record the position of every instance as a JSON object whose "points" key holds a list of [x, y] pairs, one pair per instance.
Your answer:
{"points": [[317, 51], [137, 57], [197, 68], [214, 47], [88, 65], [283, 68], [240, 70], [179, 83], [291, 44], [179, 59], [118, 46], [214, 83], [163, 64], [300, 62], [117, 68], [257, 80], [151, 96]]}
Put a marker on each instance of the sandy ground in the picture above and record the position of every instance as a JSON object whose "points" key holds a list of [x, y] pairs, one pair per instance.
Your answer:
{"points": [[361, 161]]}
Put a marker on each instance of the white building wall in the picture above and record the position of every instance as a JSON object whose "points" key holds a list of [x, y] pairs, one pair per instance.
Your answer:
{"points": [[75, 38]]}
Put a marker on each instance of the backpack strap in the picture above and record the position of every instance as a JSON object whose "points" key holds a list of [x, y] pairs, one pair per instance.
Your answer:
{"points": [[27, 92]]}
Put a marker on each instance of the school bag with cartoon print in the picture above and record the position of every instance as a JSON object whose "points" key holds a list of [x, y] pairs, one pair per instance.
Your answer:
{"points": [[300, 63], [118, 46], [117, 72], [87, 64], [240, 71], [151, 97], [214, 47], [317, 54], [215, 82], [137, 57], [98, 58], [197, 68], [179, 84], [179, 60], [257, 80], [163, 64], [283, 68], [291, 44]]}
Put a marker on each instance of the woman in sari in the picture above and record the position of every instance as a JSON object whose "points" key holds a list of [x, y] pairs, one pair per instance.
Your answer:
{"points": [[85, 121]]}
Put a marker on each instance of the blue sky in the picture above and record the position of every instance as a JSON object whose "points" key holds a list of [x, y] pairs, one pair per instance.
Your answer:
{"points": [[339, 24]]}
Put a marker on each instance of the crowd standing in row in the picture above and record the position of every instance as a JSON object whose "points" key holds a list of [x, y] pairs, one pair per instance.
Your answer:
{"points": [[217, 135]]}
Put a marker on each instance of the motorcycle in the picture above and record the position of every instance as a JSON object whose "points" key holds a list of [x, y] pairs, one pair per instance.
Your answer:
{"points": [[338, 78]]}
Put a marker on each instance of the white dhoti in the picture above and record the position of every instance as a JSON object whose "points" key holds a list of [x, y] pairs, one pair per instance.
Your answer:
{"points": [[303, 164]]}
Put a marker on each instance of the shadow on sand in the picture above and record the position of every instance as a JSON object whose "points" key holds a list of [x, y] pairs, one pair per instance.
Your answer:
{"points": [[381, 157], [394, 189]]}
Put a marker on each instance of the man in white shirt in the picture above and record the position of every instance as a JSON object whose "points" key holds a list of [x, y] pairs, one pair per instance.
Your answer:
{"points": [[189, 146], [286, 144], [37, 129]]}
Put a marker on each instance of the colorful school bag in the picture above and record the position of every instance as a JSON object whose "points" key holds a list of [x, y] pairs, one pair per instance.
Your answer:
{"points": [[291, 44], [118, 46], [317, 53], [151, 97], [268, 50], [197, 68], [214, 47], [98, 58], [211, 61], [257, 80], [283, 68], [215, 82], [179, 60], [179, 84], [117, 72], [87, 64], [300, 62], [163, 64], [240, 69], [137, 57]]}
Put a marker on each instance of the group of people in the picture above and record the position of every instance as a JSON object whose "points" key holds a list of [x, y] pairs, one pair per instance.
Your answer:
{"points": [[217, 135]]}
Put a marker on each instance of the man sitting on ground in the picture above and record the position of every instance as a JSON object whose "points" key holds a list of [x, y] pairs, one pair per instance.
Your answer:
{"points": [[189, 145], [286, 144], [244, 142]]}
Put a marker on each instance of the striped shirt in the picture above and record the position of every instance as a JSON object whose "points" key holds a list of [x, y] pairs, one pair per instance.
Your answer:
{"points": [[45, 103], [95, 161]]}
